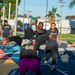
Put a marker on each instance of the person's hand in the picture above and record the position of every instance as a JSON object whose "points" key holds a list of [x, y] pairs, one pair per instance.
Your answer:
{"points": [[51, 37], [30, 23], [59, 43], [68, 45]]}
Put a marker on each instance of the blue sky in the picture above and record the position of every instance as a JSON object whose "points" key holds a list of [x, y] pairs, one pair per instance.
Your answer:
{"points": [[38, 7]]}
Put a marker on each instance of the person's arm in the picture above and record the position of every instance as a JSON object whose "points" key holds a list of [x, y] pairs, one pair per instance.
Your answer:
{"points": [[71, 45], [32, 23], [58, 39], [37, 29], [2, 30], [10, 29]]}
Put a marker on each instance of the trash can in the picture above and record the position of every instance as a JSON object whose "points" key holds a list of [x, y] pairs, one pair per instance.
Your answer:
{"points": [[26, 25]]}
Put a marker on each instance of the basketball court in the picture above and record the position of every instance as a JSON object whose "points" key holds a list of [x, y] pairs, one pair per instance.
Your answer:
{"points": [[9, 60]]}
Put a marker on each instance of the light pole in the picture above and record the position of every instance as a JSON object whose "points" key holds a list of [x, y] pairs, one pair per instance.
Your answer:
{"points": [[61, 5], [3, 14], [28, 14], [46, 12], [23, 15], [16, 17], [9, 11]]}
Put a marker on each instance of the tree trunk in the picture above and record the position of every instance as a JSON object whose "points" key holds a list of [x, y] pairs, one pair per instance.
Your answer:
{"points": [[51, 20]]}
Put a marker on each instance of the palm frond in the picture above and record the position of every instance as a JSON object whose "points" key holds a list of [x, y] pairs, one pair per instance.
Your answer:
{"points": [[54, 10], [50, 14], [58, 15], [53, 13], [72, 4]]}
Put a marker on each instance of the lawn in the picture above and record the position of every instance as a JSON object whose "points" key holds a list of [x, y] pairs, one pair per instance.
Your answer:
{"points": [[63, 37], [67, 37], [21, 34]]}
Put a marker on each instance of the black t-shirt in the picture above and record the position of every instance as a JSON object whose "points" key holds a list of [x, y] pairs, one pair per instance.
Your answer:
{"points": [[37, 34]]}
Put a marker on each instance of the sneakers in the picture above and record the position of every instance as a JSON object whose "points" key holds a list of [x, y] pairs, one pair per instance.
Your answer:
{"points": [[53, 68]]}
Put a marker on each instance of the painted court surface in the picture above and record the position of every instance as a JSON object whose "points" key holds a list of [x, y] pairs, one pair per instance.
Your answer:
{"points": [[65, 62]]}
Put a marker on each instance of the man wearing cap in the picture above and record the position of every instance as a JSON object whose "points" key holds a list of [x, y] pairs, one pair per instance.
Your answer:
{"points": [[6, 29]]}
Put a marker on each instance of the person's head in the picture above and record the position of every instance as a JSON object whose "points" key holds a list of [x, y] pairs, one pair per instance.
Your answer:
{"points": [[6, 22], [40, 25], [53, 26], [29, 33]]}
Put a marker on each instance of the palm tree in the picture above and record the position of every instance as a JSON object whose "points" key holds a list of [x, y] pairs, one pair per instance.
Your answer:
{"points": [[38, 17], [72, 4], [52, 14]]}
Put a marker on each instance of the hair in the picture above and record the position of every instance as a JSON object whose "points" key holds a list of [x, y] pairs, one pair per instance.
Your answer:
{"points": [[29, 33], [5, 21], [53, 23], [40, 23]]}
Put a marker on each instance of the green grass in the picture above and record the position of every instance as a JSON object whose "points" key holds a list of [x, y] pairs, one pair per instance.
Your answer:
{"points": [[20, 34], [68, 40], [67, 35], [63, 37]]}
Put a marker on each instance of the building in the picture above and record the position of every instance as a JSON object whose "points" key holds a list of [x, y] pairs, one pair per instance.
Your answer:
{"points": [[67, 26], [72, 26]]}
